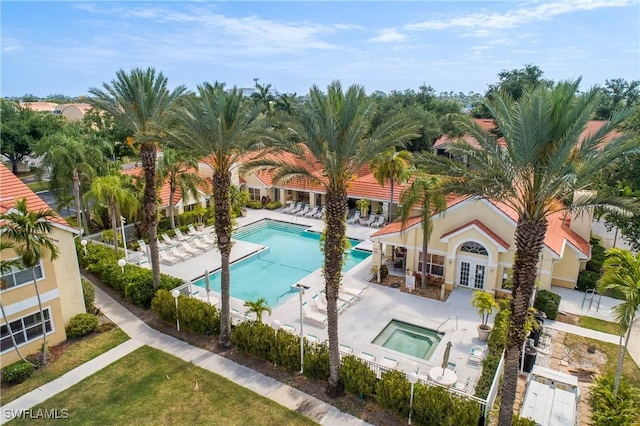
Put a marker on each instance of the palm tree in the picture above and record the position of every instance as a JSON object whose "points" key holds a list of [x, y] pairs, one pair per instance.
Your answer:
{"points": [[113, 193], [535, 170], [331, 138], [622, 276], [174, 167], [423, 193], [217, 127], [141, 101], [71, 159], [29, 232], [394, 166], [258, 306], [7, 266]]}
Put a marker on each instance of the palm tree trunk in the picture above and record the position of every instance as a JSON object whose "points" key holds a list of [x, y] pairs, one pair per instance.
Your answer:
{"points": [[529, 238], [425, 247], [13, 339], [621, 353], [172, 192], [44, 327], [390, 219], [223, 225], [148, 158], [76, 195], [333, 258]]}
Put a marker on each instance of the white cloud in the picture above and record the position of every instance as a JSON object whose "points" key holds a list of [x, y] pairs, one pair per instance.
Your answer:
{"points": [[388, 35], [480, 24]]}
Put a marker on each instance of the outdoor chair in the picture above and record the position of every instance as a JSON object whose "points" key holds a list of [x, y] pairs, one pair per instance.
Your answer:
{"points": [[346, 349], [321, 213], [357, 292], [304, 210], [296, 209], [288, 328], [312, 338], [289, 207], [207, 238], [389, 363], [371, 219], [366, 356], [167, 258], [476, 355], [175, 251], [378, 223], [462, 384], [180, 236], [313, 317], [200, 244], [188, 248], [168, 240], [312, 212], [193, 231], [354, 218]]}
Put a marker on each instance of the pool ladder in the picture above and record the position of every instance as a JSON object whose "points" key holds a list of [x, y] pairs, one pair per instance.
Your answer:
{"points": [[444, 322]]}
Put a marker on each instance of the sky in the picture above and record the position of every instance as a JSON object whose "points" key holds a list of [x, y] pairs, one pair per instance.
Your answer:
{"points": [[460, 46]]}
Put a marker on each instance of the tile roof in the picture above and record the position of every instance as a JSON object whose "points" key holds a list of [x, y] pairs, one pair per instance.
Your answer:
{"points": [[495, 237], [12, 189], [165, 191], [394, 227]]}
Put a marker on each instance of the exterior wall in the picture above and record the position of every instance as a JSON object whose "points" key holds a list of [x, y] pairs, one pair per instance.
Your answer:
{"points": [[565, 271], [67, 275]]}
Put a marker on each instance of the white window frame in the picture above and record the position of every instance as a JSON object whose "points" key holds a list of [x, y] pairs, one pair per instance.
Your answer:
{"points": [[430, 264], [254, 193], [15, 271], [37, 326]]}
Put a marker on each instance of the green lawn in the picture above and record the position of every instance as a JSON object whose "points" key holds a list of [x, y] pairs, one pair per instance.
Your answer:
{"points": [[38, 186], [599, 325], [151, 387], [76, 354]]}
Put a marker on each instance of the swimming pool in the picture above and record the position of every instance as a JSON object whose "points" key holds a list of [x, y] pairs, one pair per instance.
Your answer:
{"points": [[291, 253], [408, 339]]}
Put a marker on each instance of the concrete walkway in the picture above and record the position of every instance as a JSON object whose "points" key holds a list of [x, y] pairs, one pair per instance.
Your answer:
{"points": [[142, 334]]}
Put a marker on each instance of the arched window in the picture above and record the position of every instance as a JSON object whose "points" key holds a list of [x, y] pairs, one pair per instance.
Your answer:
{"points": [[475, 248]]}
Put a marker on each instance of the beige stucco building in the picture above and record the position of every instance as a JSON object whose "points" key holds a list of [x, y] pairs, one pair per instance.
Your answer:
{"points": [[58, 282]]}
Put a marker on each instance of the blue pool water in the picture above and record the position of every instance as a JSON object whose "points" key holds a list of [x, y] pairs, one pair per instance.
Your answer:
{"points": [[292, 253]]}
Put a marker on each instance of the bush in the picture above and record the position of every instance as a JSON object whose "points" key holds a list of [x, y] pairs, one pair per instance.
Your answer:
{"points": [[255, 338], [548, 303], [522, 421], [610, 411], [435, 405], [81, 325], [273, 205], [384, 272], [254, 204], [316, 361], [89, 294], [587, 279], [357, 377], [393, 391], [597, 256], [17, 372], [195, 316], [495, 345]]}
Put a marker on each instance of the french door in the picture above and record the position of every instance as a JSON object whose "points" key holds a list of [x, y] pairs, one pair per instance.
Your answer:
{"points": [[472, 273]]}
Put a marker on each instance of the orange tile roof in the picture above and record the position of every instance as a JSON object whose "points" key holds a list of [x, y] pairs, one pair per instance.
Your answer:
{"points": [[394, 227], [483, 227], [12, 189], [165, 191]]}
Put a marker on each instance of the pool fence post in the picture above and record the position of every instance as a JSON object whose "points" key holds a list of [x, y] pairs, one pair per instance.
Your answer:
{"points": [[301, 288]]}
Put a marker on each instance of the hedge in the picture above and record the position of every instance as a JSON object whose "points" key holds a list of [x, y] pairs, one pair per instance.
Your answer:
{"points": [[357, 377], [195, 315], [548, 303], [495, 346], [81, 325], [17, 372], [609, 411]]}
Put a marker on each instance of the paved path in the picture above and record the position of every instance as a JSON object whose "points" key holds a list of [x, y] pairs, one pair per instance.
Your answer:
{"points": [[142, 334]]}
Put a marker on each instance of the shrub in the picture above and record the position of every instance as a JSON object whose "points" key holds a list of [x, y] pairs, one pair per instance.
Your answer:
{"points": [[17, 372], [548, 303], [384, 272], [434, 405], [89, 294], [495, 346], [610, 411], [255, 338], [587, 279], [254, 204], [195, 316], [316, 361], [273, 205], [522, 421], [357, 377], [392, 392], [81, 325], [597, 256]]}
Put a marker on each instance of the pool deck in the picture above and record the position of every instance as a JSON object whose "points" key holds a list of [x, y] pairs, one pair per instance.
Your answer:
{"points": [[361, 322]]}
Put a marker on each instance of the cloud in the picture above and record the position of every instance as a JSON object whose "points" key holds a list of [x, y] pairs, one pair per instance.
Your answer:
{"points": [[480, 24], [388, 35]]}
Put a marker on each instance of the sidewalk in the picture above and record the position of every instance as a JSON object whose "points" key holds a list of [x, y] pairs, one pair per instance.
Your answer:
{"points": [[142, 334]]}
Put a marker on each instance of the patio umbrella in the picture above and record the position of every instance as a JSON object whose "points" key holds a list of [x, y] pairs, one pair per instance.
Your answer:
{"points": [[207, 283], [445, 357]]}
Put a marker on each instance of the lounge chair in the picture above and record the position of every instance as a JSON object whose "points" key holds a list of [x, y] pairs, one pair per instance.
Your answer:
{"points": [[168, 240], [313, 317], [290, 207], [180, 236], [357, 292], [288, 328], [476, 355], [389, 363], [200, 245], [320, 304], [462, 384], [142, 245], [238, 317], [188, 248], [345, 349], [296, 209], [304, 211], [167, 258], [321, 213], [354, 218], [312, 212], [378, 223], [208, 239], [193, 231], [451, 366], [311, 338], [349, 299], [366, 356], [175, 251], [371, 219]]}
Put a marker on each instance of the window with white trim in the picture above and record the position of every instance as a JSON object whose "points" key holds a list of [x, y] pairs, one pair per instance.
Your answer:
{"points": [[435, 264], [25, 329], [16, 276], [254, 193], [475, 248]]}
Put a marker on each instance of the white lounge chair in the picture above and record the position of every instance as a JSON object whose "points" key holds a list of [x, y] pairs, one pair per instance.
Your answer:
{"points": [[371, 219], [313, 317], [304, 210], [209, 239], [180, 236], [175, 251], [312, 212], [355, 217], [320, 304], [167, 259], [378, 223], [366, 356], [296, 209], [477, 354], [462, 384], [193, 231], [288, 328], [188, 248], [357, 292], [168, 240], [200, 244], [389, 363], [321, 213], [345, 349], [311, 338], [289, 207], [349, 299]]}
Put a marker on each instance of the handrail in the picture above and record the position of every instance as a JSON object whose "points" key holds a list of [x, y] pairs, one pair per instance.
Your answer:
{"points": [[447, 320]]}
